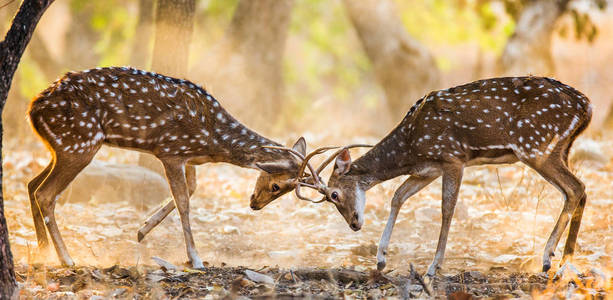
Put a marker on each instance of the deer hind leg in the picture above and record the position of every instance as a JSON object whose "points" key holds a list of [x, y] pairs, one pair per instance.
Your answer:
{"points": [[175, 173], [575, 222], [452, 179], [64, 170], [410, 187], [555, 171], [39, 224], [162, 212]]}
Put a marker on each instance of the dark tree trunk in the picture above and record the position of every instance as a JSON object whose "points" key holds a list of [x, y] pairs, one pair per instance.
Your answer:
{"points": [[403, 67], [245, 68], [11, 50], [528, 50], [141, 45], [174, 24]]}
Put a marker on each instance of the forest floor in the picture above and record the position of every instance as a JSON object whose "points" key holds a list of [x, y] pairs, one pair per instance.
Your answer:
{"points": [[149, 282], [502, 220]]}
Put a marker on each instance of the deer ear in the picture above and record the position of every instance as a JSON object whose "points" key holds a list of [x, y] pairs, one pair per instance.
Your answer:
{"points": [[273, 167], [343, 162], [300, 146]]}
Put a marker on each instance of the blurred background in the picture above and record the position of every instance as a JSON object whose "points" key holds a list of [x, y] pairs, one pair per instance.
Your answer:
{"points": [[336, 72]]}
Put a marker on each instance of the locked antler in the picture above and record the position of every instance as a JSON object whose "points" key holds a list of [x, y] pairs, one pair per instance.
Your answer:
{"points": [[317, 184]]}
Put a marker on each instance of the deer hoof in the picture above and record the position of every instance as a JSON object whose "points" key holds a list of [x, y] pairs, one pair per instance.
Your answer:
{"points": [[381, 265], [546, 266]]}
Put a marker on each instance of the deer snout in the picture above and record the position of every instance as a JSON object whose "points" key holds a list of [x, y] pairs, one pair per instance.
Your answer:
{"points": [[254, 204], [356, 223]]}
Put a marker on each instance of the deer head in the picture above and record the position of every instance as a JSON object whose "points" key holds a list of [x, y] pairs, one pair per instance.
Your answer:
{"points": [[345, 191], [277, 178]]}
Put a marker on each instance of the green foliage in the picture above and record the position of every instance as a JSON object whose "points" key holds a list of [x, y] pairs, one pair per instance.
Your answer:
{"points": [[323, 54], [115, 25], [583, 26], [211, 21], [32, 80], [441, 22]]}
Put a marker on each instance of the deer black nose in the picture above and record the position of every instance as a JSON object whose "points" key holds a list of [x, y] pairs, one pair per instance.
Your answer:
{"points": [[355, 226], [253, 204]]}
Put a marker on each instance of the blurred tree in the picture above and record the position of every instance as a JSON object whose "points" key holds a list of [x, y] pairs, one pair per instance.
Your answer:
{"points": [[141, 44], [245, 67], [82, 37], [528, 49], [174, 23], [403, 67], [11, 50]]}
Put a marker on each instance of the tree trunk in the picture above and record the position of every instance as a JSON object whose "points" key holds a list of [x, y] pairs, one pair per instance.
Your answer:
{"points": [[174, 24], [11, 50], [141, 45], [528, 50], [403, 67], [245, 68]]}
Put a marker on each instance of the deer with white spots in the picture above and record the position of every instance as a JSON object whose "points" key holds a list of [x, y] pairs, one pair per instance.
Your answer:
{"points": [[495, 121], [173, 119]]}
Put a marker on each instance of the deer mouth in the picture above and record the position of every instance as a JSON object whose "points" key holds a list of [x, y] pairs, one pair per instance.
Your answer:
{"points": [[254, 205]]}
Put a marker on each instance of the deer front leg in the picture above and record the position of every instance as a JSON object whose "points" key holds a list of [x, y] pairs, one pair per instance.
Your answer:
{"points": [[411, 186], [175, 173], [452, 179], [157, 217]]}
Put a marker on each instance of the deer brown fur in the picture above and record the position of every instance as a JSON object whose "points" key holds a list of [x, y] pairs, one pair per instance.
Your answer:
{"points": [[173, 119], [501, 120]]}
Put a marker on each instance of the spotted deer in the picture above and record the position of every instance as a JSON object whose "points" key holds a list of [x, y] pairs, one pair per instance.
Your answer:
{"points": [[173, 119], [494, 121]]}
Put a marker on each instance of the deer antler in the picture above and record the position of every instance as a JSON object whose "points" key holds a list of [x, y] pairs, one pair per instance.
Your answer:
{"points": [[333, 156], [318, 185]]}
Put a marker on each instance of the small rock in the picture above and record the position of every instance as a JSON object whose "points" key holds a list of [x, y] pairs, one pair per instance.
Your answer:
{"points": [[118, 292], [374, 294], [53, 287], [154, 277], [565, 270], [229, 229], [166, 266], [259, 278], [280, 254]]}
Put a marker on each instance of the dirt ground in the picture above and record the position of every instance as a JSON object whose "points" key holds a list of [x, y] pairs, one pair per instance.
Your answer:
{"points": [[500, 226], [149, 282]]}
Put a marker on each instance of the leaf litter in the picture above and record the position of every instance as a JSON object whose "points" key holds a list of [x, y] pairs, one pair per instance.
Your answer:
{"points": [[503, 218]]}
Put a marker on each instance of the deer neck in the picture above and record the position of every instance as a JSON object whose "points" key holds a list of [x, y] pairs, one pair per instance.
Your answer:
{"points": [[390, 158], [242, 146]]}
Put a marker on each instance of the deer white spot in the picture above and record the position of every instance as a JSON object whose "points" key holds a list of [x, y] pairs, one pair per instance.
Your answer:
{"points": [[527, 87]]}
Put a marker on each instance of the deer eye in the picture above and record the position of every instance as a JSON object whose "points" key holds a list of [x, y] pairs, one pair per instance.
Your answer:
{"points": [[334, 196], [275, 187]]}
